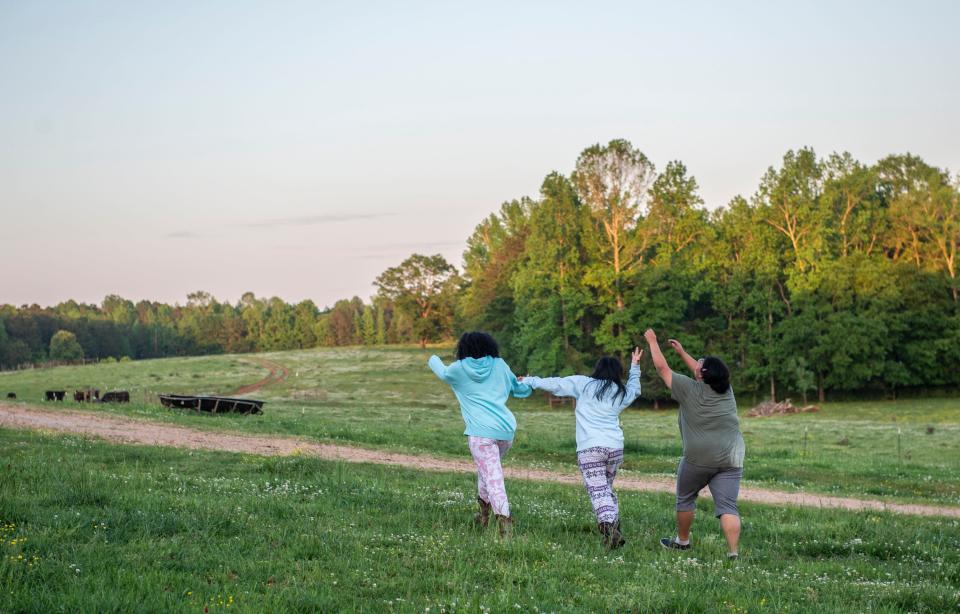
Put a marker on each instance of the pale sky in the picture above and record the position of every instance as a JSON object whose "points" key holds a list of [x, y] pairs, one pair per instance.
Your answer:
{"points": [[298, 149]]}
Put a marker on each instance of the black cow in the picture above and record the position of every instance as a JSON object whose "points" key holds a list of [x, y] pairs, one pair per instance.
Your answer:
{"points": [[116, 396]]}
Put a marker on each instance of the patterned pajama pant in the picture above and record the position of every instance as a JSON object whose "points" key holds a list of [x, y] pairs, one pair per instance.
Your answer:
{"points": [[599, 467], [487, 454]]}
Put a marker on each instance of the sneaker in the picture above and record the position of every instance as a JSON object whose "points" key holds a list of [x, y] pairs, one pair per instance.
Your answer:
{"points": [[732, 556], [671, 544]]}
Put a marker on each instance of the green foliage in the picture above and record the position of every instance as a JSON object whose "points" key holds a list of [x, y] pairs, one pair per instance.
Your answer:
{"points": [[834, 275], [381, 326], [65, 347], [550, 296], [424, 288], [369, 326]]}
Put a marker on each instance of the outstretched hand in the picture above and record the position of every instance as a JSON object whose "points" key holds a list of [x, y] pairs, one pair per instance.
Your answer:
{"points": [[675, 345], [650, 336], [635, 356]]}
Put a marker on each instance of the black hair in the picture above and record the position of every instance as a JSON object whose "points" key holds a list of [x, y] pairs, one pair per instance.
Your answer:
{"points": [[477, 345], [608, 370], [715, 374]]}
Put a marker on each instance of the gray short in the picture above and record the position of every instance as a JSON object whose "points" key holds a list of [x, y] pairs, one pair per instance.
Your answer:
{"points": [[724, 483]]}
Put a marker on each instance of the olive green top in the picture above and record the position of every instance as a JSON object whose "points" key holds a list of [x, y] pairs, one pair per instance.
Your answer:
{"points": [[709, 425]]}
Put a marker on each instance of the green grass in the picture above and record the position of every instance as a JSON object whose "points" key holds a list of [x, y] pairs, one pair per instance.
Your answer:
{"points": [[386, 397], [87, 526]]}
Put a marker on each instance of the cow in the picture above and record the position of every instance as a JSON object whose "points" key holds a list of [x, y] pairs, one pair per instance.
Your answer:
{"points": [[116, 396]]}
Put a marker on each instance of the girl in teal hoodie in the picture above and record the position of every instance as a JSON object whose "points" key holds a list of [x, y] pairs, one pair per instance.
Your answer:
{"points": [[482, 382]]}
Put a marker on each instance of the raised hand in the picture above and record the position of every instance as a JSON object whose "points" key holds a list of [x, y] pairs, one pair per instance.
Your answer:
{"points": [[650, 336], [675, 345], [635, 356]]}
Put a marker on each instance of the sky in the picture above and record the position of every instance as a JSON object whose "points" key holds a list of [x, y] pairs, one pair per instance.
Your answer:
{"points": [[298, 149]]}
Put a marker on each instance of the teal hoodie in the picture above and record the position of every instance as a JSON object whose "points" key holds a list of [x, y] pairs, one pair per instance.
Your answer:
{"points": [[482, 385]]}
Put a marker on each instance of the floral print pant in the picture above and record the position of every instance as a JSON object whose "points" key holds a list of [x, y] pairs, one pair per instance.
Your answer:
{"points": [[487, 454]]}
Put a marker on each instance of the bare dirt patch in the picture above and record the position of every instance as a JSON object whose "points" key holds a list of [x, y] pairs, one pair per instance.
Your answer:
{"points": [[783, 408], [278, 373], [132, 431]]}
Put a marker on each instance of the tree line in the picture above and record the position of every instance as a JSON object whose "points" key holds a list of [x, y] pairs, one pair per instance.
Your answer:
{"points": [[834, 275]]}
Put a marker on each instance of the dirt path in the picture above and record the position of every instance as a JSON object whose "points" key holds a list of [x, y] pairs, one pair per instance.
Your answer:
{"points": [[132, 431], [278, 373]]}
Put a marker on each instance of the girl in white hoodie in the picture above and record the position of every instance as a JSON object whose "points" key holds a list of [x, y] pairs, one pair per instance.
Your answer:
{"points": [[599, 400]]}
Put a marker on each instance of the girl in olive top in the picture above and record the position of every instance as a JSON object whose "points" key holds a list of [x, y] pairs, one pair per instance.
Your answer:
{"points": [[712, 443]]}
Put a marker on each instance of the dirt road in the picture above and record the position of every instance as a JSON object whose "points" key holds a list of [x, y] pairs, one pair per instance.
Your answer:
{"points": [[278, 373], [131, 431]]}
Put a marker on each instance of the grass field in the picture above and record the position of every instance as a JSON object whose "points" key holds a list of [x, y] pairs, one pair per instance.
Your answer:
{"points": [[87, 526], [388, 398]]}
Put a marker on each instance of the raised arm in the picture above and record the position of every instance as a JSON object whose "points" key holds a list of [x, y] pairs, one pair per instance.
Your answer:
{"points": [[659, 362], [633, 379], [692, 363], [440, 370]]}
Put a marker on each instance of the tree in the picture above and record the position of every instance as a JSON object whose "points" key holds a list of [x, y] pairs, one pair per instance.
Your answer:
{"points": [[369, 326], [676, 220], [613, 181], [855, 205], [4, 343], [549, 294], [253, 314], [925, 215], [789, 199], [64, 346], [341, 322], [494, 253], [425, 287], [304, 324], [381, 338]]}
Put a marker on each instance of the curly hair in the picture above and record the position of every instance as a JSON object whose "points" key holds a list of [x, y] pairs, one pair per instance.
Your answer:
{"points": [[476, 345]]}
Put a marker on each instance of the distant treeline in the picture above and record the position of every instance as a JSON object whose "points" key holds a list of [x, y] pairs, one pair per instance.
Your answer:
{"points": [[834, 275]]}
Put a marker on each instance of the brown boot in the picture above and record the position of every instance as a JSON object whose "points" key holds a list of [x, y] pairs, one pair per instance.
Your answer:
{"points": [[605, 528], [616, 538], [505, 524], [482, 518]]}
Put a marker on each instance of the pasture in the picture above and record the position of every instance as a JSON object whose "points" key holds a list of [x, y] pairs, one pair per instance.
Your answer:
{"points": [[386, 397], [89, 526]]}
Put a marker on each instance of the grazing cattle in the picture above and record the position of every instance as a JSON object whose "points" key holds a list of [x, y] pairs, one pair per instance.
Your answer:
{"points": [[116, 396], [11, 395], [90, 395], [54, 395]]}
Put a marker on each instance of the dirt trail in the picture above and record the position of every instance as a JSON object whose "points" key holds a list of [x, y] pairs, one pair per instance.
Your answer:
{"points": [[278, 373], [132, 431]]}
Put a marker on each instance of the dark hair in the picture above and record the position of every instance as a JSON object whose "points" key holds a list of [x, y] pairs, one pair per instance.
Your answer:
{"points": [[608, 370], [715, 374], [476, 345]]}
